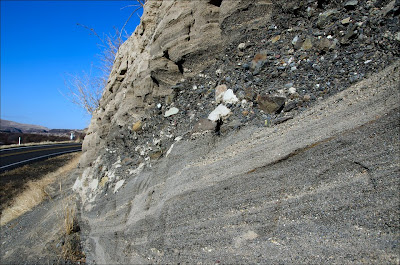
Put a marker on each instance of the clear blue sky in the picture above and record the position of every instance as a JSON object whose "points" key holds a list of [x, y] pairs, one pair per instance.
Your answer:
{"points": [[40, 43]]}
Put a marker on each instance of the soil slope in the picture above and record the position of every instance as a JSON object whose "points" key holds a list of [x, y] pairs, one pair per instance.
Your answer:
{"points": [[248, 132]]}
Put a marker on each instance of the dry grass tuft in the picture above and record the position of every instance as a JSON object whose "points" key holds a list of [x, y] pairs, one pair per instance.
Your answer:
{"points": [[71, 248], [35, 193]]}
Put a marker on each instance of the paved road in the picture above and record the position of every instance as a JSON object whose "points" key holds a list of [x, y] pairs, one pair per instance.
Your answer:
{"points": [[15, 157]]}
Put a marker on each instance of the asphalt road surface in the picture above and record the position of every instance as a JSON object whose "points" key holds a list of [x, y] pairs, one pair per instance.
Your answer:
{"points": [[15, 157]]}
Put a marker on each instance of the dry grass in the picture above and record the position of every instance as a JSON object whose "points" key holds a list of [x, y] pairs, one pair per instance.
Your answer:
{"points": [[68, 212], [71, 249], [36, 192]]}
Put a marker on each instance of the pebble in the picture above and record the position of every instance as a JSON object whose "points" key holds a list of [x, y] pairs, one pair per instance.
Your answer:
{"points": [[351, 4], [324, 44], [345, 21], [292, 90], [325, 18], [137, 126], [306, 97], [276, 38], [246, 66], [288, 85], [171, 111], [242, 46], [397, 36], [290, 106], [307, 44], [295, 40]]}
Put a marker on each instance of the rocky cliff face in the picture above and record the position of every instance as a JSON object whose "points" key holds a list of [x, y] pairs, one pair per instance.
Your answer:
{"points": [[247, 131]]}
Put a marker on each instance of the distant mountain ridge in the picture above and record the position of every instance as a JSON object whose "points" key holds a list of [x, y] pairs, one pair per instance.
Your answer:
{"points": [[11, 126], [15, 127], [12, 132]]}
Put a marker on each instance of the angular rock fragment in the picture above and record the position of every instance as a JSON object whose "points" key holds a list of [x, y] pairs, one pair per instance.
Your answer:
{"points": [[258, 62], [324, 45], [270, 104], [204, 125], [326, 18], [219, 112], [282, 119], [290, 106], [249, 94], [307, 44], [229, 97], [219, 92], [351, 4]]}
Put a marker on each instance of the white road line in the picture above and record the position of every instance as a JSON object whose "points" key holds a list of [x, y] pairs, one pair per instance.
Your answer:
{"points": [[60, 153], [16, 148]]}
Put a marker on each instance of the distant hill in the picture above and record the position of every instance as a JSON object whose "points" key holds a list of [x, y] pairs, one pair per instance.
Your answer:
{"points": [[15, 127], [11, 131]]}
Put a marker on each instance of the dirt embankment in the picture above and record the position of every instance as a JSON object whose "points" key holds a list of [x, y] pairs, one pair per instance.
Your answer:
{"points": [[38, 213], [208, 106]]}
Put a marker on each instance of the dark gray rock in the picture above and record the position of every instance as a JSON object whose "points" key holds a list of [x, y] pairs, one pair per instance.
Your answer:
{"points": [[352, 4]]}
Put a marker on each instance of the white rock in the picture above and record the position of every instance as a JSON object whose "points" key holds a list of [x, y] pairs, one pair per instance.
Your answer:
{"points": [[80, 180], [111, 175], [93, 184], [295, 39], [169, 150], [137, 170], [171, 111], [229, 97], [292, 90], [118, 185], [241, 46], [77, 185], [219, 112]]}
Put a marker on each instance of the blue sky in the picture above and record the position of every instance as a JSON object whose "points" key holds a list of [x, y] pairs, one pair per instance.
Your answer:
{"points": [[40, 43]]}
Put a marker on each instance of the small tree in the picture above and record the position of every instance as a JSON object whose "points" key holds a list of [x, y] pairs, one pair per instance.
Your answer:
{"points": [[85, 90]]}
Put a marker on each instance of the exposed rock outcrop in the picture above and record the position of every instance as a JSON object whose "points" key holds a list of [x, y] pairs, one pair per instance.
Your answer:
{"points": [[224, 136]]}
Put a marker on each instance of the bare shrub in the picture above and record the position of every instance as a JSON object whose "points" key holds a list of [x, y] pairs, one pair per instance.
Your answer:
{"points": [[85, 90]]}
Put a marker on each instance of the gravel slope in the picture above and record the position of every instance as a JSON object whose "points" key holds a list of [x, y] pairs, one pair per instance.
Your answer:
{"points": [[320, 188]]}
